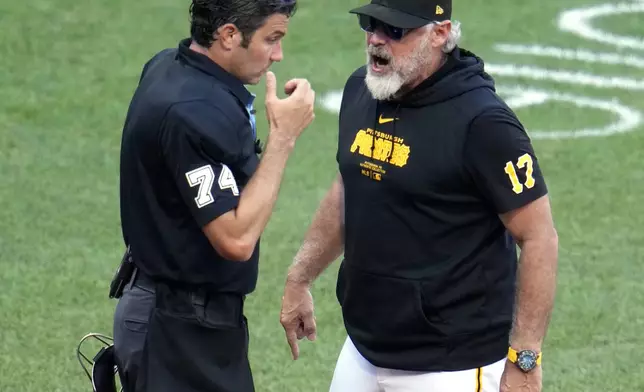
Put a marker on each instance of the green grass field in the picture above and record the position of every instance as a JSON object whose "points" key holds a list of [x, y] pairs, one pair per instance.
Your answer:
{"points": [[67, 71]]}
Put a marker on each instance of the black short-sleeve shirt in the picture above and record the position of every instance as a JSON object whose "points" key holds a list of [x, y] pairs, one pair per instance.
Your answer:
{"points": [[188, 149], [499, 156]]}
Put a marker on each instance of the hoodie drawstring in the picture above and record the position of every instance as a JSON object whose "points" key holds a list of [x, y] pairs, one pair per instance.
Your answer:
{"points": [[393, 135], [375, 122]]}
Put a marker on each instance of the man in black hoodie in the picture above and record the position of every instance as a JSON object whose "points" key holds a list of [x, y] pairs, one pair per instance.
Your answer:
{"points": [[438, 183]]}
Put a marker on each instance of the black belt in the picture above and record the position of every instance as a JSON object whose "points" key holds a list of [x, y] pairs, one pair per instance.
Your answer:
{"points": [[142, 280], [199, 296]]}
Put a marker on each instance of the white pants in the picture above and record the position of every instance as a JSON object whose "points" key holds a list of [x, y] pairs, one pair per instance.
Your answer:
{"points": [[353, 373]]}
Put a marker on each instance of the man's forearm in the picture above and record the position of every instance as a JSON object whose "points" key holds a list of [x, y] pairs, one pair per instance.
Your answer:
{"points": [[324, 241], [536, 286], [260, 194]]}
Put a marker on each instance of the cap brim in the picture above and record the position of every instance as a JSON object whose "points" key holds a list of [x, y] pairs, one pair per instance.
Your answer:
{"points": [[390, 16]]}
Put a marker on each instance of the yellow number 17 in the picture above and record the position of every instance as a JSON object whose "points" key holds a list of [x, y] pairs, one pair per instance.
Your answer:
{"points": [[525, 160]]}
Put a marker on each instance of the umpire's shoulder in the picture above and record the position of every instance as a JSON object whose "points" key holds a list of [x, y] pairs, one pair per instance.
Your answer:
{"points": [[201, 119], [158, 58], [165, 53], [203, 124]]}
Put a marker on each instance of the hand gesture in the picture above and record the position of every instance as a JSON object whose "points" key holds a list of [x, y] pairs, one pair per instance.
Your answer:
{"points": [[297, 315], [288, 117]]}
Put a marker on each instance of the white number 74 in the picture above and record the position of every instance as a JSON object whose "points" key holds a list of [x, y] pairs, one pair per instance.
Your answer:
{"points": [[204, 177]]}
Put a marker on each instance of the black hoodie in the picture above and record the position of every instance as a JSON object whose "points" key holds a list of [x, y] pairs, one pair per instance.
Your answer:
{"points": [[427, 280]]}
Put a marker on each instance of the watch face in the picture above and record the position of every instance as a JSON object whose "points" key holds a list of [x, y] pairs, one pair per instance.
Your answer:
{"points": [[527, 360]]}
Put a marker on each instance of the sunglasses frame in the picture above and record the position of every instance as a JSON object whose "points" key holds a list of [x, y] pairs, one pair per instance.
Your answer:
{"points": [[369, 24]]}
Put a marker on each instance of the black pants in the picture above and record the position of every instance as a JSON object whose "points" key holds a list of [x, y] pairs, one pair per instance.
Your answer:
{"points": [[167, 339]]}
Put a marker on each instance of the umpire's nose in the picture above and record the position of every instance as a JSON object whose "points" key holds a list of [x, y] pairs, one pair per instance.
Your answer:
{"points": [[277, 54]]}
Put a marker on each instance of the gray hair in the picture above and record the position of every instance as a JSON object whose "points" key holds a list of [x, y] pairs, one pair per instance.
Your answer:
{"points": [[453, 38], [454, 35]]}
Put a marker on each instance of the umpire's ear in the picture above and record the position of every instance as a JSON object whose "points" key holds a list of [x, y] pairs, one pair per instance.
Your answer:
{"points": [[228, 37], [103, 371]]}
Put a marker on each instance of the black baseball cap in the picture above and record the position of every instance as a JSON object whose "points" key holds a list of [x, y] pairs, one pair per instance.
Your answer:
{"points": [[407, 14]]}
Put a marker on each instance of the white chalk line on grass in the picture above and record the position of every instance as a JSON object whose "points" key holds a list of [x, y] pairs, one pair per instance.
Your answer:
{"points": [[332, 101], [521, 99], [571, 77], [579, 22], [627, 118], [583, 55]]}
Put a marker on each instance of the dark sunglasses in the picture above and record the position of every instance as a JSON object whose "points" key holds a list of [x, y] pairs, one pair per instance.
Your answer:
{"points": [[371, 25]]}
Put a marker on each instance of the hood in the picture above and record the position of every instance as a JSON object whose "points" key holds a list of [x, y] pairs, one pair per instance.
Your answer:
{"points": [[462, 72]]}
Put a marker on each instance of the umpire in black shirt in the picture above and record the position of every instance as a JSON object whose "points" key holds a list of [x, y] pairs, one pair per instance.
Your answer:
{"points": [[195, 197]]}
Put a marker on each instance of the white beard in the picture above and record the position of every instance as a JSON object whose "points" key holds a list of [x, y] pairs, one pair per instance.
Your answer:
{"points": [[385, 86], [402, 71]]}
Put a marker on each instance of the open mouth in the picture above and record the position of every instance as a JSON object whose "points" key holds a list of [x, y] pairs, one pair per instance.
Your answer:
{"points": [[379, 61]]}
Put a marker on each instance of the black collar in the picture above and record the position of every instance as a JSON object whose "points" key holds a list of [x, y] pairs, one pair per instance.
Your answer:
{"points": [[206, 65]]}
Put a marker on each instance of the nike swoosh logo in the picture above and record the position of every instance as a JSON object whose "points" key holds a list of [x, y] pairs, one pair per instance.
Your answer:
{"points": [[382, 120]]}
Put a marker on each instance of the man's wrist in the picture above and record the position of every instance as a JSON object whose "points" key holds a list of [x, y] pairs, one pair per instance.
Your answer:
{"points": [[279, 143], [525, 359], [526, 344]]}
